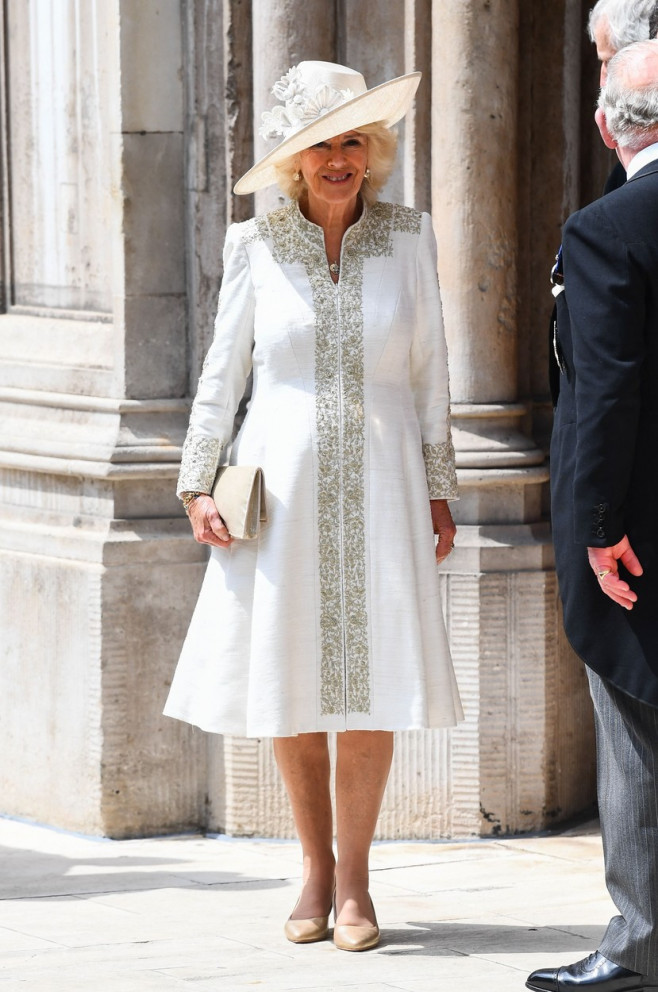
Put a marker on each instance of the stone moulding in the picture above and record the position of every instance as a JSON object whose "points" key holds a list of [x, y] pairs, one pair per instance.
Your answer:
{"points": [[489, 436], [73, 428]]}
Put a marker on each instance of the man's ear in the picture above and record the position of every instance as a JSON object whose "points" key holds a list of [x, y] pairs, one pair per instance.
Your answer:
{"points": [[602, 125]]}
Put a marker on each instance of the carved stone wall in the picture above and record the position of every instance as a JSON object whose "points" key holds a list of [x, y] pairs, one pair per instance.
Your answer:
{"points": [[124, 125], [97, 571]]}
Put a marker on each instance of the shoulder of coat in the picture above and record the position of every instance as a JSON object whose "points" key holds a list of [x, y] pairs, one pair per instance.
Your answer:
{"points": [[404, 219], [247, 232], [260, 228]]}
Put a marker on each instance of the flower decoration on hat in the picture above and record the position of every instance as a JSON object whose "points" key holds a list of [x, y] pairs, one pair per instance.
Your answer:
{"points": [[318, 100], [301, 106]]}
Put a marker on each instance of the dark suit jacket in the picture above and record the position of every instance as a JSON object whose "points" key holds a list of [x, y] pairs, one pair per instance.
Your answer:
{"points": [[604, 448], [616, 178]]}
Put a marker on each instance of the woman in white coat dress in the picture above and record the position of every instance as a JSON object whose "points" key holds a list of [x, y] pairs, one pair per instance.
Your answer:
{"points": [[330, 620]]}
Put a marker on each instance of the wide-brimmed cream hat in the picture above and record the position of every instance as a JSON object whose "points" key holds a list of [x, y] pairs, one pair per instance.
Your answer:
{"points": [[318, 101]]}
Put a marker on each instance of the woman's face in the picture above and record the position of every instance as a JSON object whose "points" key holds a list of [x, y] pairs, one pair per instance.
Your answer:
{"points": [[334, 169]]}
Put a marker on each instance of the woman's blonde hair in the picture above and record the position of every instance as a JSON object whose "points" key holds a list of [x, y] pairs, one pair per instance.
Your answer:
{"points": [[382, 146]]}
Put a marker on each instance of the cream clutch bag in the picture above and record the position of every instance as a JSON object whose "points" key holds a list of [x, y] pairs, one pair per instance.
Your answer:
{"points": [[239, 495]]}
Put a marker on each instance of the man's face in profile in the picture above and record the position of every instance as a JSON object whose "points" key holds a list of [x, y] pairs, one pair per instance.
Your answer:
{"points": [[604, 49]]}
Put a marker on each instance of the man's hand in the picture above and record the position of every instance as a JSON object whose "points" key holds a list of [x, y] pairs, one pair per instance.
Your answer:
{"points": [[605, 567]]}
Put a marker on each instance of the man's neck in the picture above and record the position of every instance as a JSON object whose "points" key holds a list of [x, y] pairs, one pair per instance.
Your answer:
{"points": [[638, 160]]}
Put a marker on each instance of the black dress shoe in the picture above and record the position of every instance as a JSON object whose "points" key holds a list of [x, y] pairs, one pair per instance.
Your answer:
{"points": [[594, 972]]}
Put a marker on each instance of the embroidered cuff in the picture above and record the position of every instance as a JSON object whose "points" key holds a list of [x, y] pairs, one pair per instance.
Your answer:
{"points": [[198, 465], [440, 470]]}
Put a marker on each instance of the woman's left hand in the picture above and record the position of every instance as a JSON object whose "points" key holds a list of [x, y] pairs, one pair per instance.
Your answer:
{"points": [[444, 526]]}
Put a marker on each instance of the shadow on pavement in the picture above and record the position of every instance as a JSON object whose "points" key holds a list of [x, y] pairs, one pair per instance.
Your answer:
{"points": [[448, 939], [29, 874]]}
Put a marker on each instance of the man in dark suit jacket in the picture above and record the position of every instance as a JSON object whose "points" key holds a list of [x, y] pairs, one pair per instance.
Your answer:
{"points": [[612, 24], [604, 497]]}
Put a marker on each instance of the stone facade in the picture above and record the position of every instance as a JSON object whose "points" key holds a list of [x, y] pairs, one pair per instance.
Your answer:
{"points": [[124, 124]]}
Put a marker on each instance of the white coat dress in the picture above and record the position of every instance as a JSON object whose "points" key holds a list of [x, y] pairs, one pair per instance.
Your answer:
{"points": [[331, 620]]}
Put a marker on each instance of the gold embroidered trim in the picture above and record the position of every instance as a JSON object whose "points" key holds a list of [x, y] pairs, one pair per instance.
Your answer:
{"points": [[254, 230], [440, 470], [345, 666], [198, 463], [404, 219], [367, 239], [338, 309]]}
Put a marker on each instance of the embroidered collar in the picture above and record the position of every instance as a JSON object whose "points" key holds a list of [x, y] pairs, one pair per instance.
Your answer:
{"points": [[315, 232]]}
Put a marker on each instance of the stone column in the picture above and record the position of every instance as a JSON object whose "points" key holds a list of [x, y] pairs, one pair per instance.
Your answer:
{"points": [[372, 40], [416, 154], [218, 148], [284, 34], [515, 673]]}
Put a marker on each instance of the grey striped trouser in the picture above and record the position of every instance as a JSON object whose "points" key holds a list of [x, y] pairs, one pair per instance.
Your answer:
{"points": [[627, 757]]}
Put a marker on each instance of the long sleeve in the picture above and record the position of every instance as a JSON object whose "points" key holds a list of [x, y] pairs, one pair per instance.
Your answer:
{"points": [[606, 290], [429, 372], [225, 371]]}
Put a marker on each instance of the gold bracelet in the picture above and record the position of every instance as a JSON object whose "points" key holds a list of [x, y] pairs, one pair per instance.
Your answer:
{"points": [[188, 498]]}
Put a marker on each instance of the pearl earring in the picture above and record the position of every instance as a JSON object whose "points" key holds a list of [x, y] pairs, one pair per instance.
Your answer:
{"points": [[296, 176], [366, 174]]}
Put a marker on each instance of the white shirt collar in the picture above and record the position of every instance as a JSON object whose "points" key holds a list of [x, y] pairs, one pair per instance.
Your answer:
{"points": [[643, 157]]}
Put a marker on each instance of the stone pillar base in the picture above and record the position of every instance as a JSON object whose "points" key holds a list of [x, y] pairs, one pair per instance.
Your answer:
{"points": [[98, 579], [517, 761]]}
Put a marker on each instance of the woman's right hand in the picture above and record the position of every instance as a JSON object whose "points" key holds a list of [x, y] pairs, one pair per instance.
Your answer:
{"points": [[207, 525]]}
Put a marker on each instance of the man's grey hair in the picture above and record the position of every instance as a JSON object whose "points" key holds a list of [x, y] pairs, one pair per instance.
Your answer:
{"points": [[631, 110], [627, 21]]}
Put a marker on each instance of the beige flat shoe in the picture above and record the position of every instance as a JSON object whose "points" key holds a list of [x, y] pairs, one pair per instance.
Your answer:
{"points": [[350, 938], [307, 931]]}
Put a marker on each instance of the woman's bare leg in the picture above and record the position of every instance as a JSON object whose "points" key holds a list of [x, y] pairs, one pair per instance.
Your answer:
{"points": [[362, 767], [305, 769]]}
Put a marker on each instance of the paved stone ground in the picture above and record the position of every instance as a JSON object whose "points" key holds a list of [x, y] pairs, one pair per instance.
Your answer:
{"points": [[196, 914]]}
